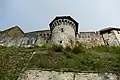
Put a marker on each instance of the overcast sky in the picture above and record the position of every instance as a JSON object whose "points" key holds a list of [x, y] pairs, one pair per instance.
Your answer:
{"points": [[37, 14]]}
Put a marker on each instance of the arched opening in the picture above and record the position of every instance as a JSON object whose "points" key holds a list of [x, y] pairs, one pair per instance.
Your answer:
{"points": [[47, 34], [60, 22], [40, 34], [55, 24], [70, 23], [44, 35], [65, 22]]}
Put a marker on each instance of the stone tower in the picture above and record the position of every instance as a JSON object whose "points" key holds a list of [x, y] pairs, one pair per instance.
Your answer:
{"points": [[64, 30]]}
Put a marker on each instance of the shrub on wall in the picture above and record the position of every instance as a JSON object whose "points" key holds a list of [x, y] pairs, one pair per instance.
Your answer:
{"points": [[79, 58]]}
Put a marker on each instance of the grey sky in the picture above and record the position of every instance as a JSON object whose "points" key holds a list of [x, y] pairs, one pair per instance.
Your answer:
{"points": [[37, 14]]}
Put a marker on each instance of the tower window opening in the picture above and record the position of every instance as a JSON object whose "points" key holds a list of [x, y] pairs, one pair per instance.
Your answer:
{"points": [[60, 22], [44, 35], [62, 30], [63, 22], [40, 34], [72, 24], [109, 32], [118, 32], [52, 25], [57, 23], [60, 41], [47, 34]]}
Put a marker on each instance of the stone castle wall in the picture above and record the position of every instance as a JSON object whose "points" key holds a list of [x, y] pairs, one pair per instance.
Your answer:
{"points": [[62, 35], [15, 37], [91, 37], [63, 31], [44, 37], [53, 75]]}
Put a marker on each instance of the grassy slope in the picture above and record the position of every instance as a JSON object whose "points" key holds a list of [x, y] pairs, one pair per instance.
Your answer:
{"points": [[98, 59]]}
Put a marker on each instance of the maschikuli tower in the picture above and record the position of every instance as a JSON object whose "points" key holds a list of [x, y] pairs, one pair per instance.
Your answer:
{"points": [[64, 30]]}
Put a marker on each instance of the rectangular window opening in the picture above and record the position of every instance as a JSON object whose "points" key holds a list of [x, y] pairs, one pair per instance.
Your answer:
{"points": [[109, 32], [62, 30], [60, 41]]}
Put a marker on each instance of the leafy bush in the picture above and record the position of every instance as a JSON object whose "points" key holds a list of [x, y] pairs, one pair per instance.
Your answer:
{"points": [[11, 63], [56, 48], [79, 58], [78, 49]]}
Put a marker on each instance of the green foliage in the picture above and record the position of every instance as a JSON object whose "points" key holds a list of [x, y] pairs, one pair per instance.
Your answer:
{"points": [[79, 48], [79, 58], [56, 48], [11, 63], [44, 46]]}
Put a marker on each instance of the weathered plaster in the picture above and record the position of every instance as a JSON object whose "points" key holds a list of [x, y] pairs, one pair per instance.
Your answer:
{"points": [[65, 36], [53, 75], [110, 38]]}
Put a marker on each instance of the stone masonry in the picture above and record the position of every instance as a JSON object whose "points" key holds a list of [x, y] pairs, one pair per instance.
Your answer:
{"points": [[63, 31], [53, 75]]}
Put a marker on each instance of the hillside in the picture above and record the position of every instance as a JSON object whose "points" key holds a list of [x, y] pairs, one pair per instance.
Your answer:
{"points": [[14, 61]]}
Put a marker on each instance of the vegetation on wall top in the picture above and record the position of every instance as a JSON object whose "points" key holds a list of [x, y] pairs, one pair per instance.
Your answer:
{"points": [[14, 61]]}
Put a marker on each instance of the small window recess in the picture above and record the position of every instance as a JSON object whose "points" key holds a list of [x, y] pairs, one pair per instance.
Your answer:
{"points": [[63, 22], [88, 36], [40, 34], [47, 34], [109, 32], [118, 32], [44, 35], [60, 22], [60, 41], [62, 30], [57, 23]]}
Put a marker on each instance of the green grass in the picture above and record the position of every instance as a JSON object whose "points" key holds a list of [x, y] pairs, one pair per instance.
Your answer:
{"points": [[11, 63], [77, 59]]}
